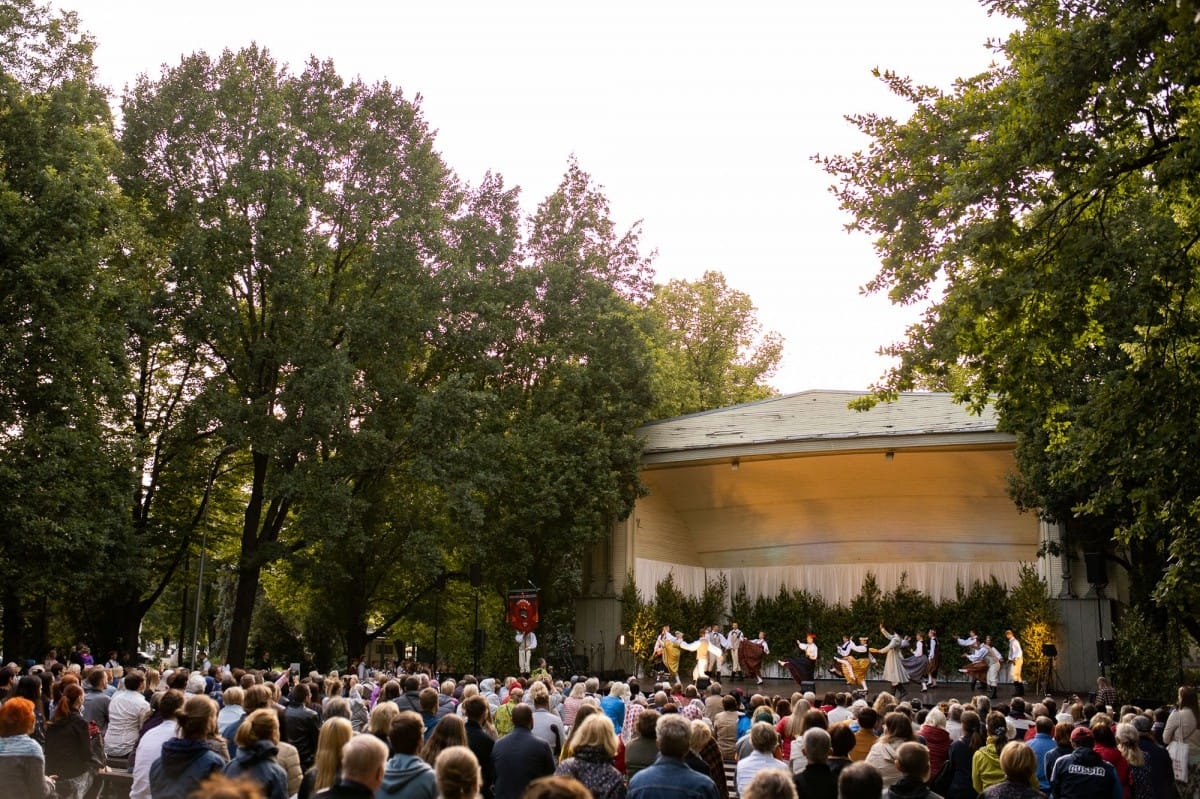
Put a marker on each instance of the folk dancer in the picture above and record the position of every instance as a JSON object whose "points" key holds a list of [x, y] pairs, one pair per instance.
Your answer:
{"points": [[717, 644], [666, 651], [970, 641], [893, 669], [994, 659], [700, 647], [929, 678], [862, 659], [735, 639], [751, 656], [526, 643], [843, 666], [914, 665], [1016, 658], [802, 665], [977, 667]]}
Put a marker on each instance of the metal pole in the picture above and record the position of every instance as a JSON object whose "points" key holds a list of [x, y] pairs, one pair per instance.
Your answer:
{"points": [[187, 563], [199, 590], [437, 606]]}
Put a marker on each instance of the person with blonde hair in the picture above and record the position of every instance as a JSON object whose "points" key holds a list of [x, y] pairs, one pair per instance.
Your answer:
{"points": [[458, 774], [382, 717], [1020, 774], [335, 734], [705, 745], [592, 763], [257, 748]]}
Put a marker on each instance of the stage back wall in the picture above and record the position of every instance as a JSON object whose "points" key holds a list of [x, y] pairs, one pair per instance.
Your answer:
{"points": [[804, 493]]}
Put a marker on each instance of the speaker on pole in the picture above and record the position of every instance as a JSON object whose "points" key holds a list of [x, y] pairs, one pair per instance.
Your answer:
{"points": [[476, 575], [1096, 565]]}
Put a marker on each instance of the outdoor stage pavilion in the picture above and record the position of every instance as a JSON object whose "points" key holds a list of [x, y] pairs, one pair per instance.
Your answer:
{"points": [[801, 491]]}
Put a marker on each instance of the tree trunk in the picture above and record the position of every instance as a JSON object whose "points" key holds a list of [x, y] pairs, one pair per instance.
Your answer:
{"points": [[14, 627], [119, 627], [243, 611], [249, 566]]}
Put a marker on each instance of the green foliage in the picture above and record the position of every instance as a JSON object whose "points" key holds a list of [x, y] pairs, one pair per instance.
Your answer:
{"points": [[64, 462], [709, 348], [1035, 619], [1148, 657], [1049, 207], [790, 614]]}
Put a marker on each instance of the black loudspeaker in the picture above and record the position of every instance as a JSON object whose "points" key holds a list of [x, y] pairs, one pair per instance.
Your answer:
{"points": [[477, 575], [480, 640], [1106, 650], [1096, 565], [1049, 651]]}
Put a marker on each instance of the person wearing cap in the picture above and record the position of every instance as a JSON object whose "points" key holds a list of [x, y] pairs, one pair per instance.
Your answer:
{"points": [[1083, 774]]}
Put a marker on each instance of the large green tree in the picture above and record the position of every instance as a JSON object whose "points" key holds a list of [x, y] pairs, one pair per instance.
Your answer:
{"points": [[303, 216], [63, 464], [1047, 208], [710, 349]]}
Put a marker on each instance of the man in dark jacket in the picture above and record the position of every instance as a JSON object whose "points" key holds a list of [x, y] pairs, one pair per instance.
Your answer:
{"points": [[303, 726], [411, 698], [407, 776], [480, 742], [1083, 774], [817, 781], [525, 756]]}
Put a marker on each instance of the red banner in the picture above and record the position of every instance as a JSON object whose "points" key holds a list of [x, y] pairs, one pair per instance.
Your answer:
{"points": [[523, 610]]}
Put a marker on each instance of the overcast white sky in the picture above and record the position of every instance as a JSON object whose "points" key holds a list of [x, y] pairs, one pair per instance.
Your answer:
{"points": [[699, 118]]}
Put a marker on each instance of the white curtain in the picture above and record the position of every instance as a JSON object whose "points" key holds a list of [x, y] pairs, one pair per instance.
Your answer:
{"points": [[836, 583]]}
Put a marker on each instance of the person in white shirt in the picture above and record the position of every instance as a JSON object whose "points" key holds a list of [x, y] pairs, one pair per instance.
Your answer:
{"points": [[717, 644], [127, 712], [666, 648], [526, 643], [976, 668], [752, 654], [993, 658], [735, 639], [764, 739], [1016, 657], [929, 678], [843, 666], [802, 666], [700, 647]]}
